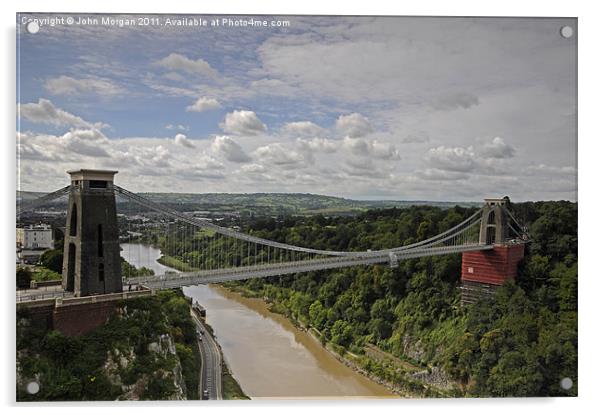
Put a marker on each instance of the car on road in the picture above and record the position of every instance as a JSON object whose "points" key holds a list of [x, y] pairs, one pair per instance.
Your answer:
{"points": [[205, 394]]}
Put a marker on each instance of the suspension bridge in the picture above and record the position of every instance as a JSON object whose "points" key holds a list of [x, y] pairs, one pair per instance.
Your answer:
{"points": [[102, 215]]}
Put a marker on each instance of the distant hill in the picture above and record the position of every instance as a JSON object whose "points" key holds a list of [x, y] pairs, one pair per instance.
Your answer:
{"points": [[276, 203], [287, 203], [24, 195]]}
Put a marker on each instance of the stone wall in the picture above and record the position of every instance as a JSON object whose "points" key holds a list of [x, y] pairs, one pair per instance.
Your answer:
{"points": [[75, 320], [77, 316]]}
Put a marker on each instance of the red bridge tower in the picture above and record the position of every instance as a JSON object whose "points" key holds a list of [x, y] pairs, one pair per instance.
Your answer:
{"points": [[484, 271]]}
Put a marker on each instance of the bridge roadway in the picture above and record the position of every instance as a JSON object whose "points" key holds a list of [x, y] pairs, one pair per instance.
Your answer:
{"points": [[182, 279], [173, 280]]}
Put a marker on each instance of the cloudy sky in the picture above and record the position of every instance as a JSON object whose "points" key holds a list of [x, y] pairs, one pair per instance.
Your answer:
{"points": [[368, 108]]}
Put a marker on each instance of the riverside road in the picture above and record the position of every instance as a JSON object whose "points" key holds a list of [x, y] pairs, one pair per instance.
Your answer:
{"points": [[211, 373]]}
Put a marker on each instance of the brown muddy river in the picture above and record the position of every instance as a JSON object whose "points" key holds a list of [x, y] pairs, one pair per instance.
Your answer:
{"points": [[270, 357], [267, 354]]}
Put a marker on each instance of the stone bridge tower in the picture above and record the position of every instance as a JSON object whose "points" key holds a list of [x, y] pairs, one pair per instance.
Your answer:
{"points": [[494, 222], [91, 259], [484, 271]]}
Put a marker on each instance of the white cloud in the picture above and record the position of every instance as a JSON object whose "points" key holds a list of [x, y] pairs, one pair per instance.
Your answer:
{"points": [[416, 138], [545, 170], [364, 168], [243, 123], [177, 127], [253, 169], [203, 104], [87, 149], [417, 60], [174, 76], [455, 100], [207, 163], [27, 151], [89, 142], [384, 151], [441, 175], [302, 129], [322, 145], [66, 85], [353, 125], [373, 148], [201, 168], [86, 134], [177, 62], [161, 156], [457, 159], [181, 139], [274, 87], [229, 149], [29, 148], [310, 147], [44, 112], [279, 155], [498, 149], [70, 146]]}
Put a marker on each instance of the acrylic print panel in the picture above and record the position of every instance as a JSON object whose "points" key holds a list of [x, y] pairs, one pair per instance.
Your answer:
{"points": [[295, 207]]}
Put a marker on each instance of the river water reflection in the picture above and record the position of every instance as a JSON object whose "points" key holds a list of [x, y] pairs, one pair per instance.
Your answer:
{"points": [[267, 354]]}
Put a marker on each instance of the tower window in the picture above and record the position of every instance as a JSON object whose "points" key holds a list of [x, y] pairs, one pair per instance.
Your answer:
{"points": [[73, 223], [101, 272], [100, 244], [98, 184], [491, 228]]}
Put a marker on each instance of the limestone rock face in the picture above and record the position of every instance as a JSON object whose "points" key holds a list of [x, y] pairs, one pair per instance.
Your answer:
{"points": [[412, 348], [120, 361], [116, 362], [436, 377]]}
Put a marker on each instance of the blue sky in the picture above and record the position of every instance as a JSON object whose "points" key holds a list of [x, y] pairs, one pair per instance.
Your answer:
{"points": [[395, 108]]}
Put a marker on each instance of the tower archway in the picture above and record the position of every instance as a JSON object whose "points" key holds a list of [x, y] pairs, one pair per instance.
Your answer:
{"points": [[491, 228]]}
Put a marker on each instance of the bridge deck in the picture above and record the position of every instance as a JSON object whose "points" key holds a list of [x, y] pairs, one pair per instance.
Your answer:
{"points": [[174, 280]]}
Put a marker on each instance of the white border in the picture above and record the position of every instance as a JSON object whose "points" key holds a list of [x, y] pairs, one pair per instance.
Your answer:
{"points": [[590, 152]]}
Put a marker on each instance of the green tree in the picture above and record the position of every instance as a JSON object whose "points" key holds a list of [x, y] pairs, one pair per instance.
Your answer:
{"points": [[23, 277], [538, 267], [317, 315], [53, 260], [516, 374], [341, 333], [380, 328]]}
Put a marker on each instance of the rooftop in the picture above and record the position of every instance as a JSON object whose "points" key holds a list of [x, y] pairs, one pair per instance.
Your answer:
{"points": [[90, 174]]}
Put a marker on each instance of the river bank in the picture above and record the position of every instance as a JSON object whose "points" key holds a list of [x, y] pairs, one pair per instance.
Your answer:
{"points": [[402, 378], [271, 357]]}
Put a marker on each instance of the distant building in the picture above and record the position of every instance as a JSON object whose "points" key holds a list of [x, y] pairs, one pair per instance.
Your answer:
{"points": [[35, 237], [32, 241]]}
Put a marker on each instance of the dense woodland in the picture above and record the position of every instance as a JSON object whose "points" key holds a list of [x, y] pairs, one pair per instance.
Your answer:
{"points": [[521, 343]]}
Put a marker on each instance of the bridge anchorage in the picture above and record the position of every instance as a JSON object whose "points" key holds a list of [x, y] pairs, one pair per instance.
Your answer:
{"points": [[491, 242]]}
